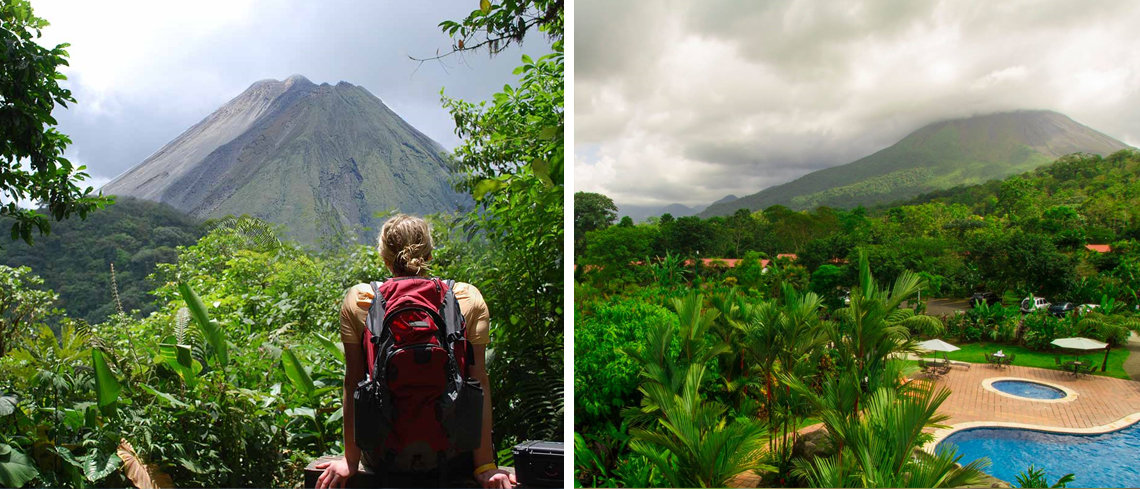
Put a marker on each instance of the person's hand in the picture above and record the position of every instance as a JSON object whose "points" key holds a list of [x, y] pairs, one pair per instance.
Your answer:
{"points": [[336, 473], [497, 478]]}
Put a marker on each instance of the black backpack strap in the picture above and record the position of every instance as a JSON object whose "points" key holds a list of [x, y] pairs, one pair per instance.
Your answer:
{"points": [[376, 311], [453, 319], [381, 334]]}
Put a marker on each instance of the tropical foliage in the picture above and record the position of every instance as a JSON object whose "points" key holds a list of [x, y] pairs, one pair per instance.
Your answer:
{"points": [[75, 260], [513, 165], [216, 361], [32, 166], [728, 376], [1020, 236]]}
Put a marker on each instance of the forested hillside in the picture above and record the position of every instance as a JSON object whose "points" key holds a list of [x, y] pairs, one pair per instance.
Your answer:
{"points": [[75, 259], [937, 156], [1025, 234], [703, 344]]}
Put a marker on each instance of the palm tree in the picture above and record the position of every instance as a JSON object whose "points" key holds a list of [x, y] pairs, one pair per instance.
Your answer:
{"points": [[662, 365], [692, 444], [781, 337], [873, 330], [881, 448]]}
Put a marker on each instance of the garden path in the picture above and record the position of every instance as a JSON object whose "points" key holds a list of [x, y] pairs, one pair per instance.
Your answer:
{"points": [[1132, 363]]}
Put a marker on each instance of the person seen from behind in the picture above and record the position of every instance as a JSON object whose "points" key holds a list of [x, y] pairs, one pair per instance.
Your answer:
{"points": [[405, 246]]}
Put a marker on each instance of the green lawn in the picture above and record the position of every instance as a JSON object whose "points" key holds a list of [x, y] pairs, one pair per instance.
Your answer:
{"points": [[975, 353]]}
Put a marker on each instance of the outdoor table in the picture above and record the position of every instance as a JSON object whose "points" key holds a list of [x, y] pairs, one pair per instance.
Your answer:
{"points": [[999, 356], [1074, 366]]}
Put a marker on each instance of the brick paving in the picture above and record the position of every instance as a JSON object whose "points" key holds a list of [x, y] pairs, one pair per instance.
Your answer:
{"points": [[1100, 400]]}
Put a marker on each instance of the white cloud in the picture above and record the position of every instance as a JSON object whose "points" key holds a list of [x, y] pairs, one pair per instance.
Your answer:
{"points": [[687, 102], [143, 71]]}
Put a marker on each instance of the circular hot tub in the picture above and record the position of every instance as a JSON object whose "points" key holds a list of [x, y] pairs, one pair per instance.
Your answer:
{"points": [[1029, 390]]}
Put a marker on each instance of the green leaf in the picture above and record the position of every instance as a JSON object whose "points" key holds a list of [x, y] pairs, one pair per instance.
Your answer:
{"points": [[335, 349], [106, 385], [485, 6], [179, 359], [484, 187], [210, 329], [171, 400], [15, 468], [541, 169], [190, 465], [296, 373], [98, 465], [550, 132], [7, 405]]}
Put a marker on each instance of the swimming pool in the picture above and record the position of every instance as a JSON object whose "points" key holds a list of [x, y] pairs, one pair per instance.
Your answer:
{"points": [[1104, 460], [1027, 389]]}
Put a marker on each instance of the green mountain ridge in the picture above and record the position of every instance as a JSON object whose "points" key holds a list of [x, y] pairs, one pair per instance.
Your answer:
{"points": [[938, 156], [318, 159], [75, 259]]}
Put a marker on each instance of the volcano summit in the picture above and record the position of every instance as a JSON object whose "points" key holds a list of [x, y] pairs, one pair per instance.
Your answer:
{"points": [[317, 159]]}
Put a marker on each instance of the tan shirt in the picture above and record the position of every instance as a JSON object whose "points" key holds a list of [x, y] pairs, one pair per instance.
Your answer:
{"points": [[358, 299]]}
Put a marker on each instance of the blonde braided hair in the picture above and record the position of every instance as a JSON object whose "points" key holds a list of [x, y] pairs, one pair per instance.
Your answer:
{"points": [[405, 245]]}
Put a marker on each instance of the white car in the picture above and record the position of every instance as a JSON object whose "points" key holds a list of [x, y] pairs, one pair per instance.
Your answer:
{"points": [[1031, 304]]}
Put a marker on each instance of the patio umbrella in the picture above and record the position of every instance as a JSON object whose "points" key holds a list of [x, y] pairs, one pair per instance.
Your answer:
{"points": [[937, 345], [1081, 343]]}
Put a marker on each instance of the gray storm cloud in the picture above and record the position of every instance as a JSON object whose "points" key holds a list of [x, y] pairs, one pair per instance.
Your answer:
{"points": [[689, 101]]}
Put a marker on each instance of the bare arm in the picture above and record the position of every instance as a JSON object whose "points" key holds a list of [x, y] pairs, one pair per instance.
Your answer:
{"points": [[485, 453], [353, 374], [337, 472]]}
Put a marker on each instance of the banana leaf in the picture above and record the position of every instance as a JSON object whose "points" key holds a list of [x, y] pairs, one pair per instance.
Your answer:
{"points": [[106, 385], [210, 329], [296, 373]]}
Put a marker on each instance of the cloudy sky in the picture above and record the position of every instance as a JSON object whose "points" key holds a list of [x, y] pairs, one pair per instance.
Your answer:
{"points": [[679, 101], [143, 71]]}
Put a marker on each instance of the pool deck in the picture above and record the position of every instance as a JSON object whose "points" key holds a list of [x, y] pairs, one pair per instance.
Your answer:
{"points": [[1101, 404]]}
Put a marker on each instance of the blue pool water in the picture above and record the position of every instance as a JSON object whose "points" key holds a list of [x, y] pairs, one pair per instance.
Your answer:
{"points": [[1106, 460], [1032, 390]]}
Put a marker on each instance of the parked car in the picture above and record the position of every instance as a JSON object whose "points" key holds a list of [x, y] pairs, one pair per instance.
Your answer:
{"points": [[989, 298], [1061, 309], [1030, 304]]}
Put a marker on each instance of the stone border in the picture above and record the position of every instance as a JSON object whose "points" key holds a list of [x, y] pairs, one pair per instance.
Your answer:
{"points": [[1070, 395], [942, 433]]}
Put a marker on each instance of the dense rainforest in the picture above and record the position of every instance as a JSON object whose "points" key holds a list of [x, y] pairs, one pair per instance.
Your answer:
{"points": [[705, 347], [1023, 235], [211, 357], [75, 260]]}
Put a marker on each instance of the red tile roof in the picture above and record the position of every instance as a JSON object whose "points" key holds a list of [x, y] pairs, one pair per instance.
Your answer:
{"points": [[1099, 248]]}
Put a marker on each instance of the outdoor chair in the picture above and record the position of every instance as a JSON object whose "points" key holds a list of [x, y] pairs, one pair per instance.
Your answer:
{"points": [[1008, 360], [1088, 368], [990, 359], [1057, 360], [944, 368], [924, 366]]}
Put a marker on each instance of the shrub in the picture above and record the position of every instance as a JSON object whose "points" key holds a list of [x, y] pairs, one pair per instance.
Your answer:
{"points": [[605, 379], [1041, 328]]}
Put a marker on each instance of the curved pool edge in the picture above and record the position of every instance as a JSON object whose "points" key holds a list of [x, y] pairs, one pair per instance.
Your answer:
{"points": [[1070, 394], [941, 433]]}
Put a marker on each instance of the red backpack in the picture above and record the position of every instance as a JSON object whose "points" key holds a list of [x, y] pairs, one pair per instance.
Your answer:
{"points": [[418, 402]]}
